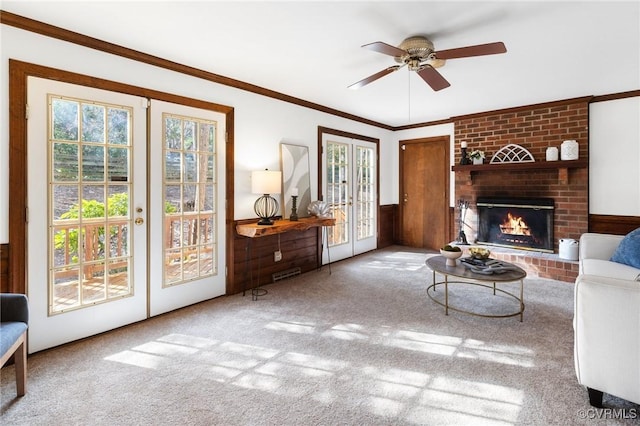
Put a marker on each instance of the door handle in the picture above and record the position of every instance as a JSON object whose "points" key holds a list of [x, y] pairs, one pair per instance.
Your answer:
{"points": [[138, 220]]}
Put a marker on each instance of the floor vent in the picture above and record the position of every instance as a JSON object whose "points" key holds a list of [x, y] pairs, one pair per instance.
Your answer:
{"points": [[283, 275]]}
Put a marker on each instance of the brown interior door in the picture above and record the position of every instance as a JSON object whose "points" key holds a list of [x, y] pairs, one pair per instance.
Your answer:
{"points": [[424, 192]]}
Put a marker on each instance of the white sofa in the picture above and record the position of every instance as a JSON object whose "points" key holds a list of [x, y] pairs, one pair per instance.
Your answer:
{"points": [[606, 321]]}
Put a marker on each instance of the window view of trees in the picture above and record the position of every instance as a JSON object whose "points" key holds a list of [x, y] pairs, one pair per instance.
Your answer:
{"points": [[90, 207], [338, 195], [189, 186], [118, 206]]}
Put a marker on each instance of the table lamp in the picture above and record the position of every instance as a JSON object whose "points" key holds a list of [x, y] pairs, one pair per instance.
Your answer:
{"points": [[266, 182]]}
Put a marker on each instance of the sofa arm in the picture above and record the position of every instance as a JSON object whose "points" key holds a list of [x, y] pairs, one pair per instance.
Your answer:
{"points": [[607, 335], [14, 308], [598, 246]]}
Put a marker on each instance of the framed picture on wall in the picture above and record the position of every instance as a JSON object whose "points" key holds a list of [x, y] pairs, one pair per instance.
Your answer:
{"points": [[294, 162]]}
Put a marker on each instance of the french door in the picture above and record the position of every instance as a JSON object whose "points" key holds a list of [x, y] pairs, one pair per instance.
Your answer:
{"points": [[89, 192], [86, 192], [187, 206], [349, 179]]}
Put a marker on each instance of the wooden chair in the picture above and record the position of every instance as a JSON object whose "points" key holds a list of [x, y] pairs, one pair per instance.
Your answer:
{"points": [[14, 316]]}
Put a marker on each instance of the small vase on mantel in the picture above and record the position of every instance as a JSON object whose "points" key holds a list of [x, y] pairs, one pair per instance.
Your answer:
{"points": [[478, 161], [552, 153]]}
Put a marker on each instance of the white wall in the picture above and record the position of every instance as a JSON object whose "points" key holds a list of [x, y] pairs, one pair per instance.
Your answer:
{"points": [[614, 157], [261, 123]]}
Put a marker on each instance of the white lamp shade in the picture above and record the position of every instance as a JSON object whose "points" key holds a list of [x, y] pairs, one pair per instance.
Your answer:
{"points": [[266, 182]]}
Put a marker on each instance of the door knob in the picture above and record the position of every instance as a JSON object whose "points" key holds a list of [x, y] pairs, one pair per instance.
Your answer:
{"points": [[139, 221]]}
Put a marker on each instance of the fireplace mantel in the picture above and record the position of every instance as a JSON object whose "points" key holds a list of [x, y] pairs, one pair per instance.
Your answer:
{"points": [[562, 166]]}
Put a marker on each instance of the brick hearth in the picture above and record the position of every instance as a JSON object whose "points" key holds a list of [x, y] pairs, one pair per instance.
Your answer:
{"points": [[535, 128], [537, 264]]}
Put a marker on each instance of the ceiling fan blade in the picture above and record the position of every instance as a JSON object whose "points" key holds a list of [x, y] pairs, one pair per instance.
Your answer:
{"points": [[374, 77], [433, 78], [385, 48], [477, 50]]}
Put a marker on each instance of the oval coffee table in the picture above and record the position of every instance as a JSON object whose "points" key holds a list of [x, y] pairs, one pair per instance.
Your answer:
{"points": [[438, 264]]}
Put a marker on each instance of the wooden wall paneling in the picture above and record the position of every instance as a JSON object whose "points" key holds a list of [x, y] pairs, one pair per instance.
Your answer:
{"points": [[610, 224], [386, 226], [4, 268], [298, 248]]}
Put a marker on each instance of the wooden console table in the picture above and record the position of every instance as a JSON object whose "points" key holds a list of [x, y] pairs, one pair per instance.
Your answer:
{"points": [[253, 230]]}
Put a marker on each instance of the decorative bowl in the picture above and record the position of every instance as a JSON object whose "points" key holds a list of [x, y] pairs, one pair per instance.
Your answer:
{"points": [[479, 252], [451, 256]]}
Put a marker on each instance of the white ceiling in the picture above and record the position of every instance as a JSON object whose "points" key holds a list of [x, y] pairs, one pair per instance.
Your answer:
{"points": [[312, 50]]}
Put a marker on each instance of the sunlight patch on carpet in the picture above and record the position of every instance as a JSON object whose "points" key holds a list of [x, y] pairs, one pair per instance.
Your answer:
{"points": [[165, 349], [249, 350], [314, 361], [468, 401], [461, 348], [384, 407], [395, 375], [398, 266], [259, 382], [137, 359], [223, 374], [280, 369], [186, 340], [509, 355], [290, 327], [346, 332]]}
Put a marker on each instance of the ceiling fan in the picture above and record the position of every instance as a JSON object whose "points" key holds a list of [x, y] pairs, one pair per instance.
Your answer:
{"points": [[418, 54]]}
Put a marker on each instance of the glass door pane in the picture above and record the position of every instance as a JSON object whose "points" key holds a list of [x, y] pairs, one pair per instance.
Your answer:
{"points": [[187, 193], [189, 208], [338, 191], [365, 192], [90, 187]]}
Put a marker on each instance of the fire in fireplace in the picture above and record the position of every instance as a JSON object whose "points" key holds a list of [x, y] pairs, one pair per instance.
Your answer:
{"points": [[524, 223]]}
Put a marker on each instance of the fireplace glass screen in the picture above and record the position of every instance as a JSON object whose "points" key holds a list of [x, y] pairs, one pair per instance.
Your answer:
{"points": [[516, 222]]}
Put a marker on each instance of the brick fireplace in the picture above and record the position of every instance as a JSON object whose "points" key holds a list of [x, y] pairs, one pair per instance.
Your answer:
{"points": [[522, 223], [535, 128]]}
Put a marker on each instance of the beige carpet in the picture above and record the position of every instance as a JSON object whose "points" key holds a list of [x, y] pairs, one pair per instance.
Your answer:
{"points": [[363, 345]]}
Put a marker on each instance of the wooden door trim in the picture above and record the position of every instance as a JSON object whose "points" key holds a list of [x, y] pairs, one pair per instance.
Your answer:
{"points": [[444, 139], [18, 75]]}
